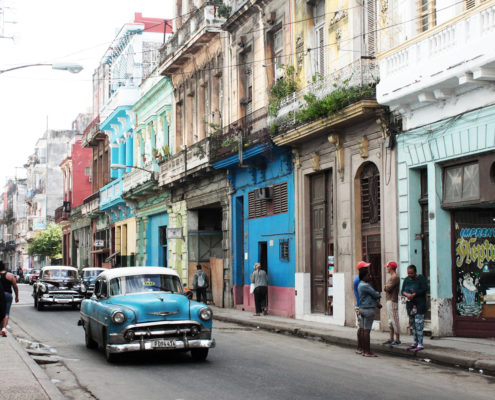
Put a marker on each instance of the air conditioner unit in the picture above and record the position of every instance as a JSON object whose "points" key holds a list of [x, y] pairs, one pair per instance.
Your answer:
{"points": [[264, 193]]}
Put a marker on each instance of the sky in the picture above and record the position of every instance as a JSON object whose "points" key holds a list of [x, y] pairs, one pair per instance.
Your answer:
{"points": [[49, 31]]}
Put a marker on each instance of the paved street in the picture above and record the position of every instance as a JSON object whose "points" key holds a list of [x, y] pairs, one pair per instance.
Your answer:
{"points": [[247, 363]]}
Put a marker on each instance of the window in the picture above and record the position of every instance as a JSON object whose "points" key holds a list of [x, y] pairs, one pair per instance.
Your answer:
{"points": [[427, 14], [263, 206], [278, 46], [370, 28], [284, 249], [461, 183], [319, 38]]}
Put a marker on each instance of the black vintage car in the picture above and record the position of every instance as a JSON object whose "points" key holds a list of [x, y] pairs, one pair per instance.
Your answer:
{"points": [[58, 285], [88, 279]]}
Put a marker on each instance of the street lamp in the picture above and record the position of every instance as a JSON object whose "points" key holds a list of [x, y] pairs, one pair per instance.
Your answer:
{"points": [[122, 166], [71, 67]]}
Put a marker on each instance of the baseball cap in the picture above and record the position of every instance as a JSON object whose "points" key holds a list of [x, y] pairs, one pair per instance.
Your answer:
{"points": [[391, 264], [362, 264]]}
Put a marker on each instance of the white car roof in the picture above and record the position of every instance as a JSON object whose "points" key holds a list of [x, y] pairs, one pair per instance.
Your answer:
{"points": [[50, 267], [94, 269], [129, 271]]}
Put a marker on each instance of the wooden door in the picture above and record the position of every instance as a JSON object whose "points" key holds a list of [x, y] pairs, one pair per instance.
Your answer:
{"points": [[318, 210]]}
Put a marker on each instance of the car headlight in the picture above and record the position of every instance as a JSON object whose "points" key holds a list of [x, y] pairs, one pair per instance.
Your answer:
{"points": [[118, 317], [205, 314]]}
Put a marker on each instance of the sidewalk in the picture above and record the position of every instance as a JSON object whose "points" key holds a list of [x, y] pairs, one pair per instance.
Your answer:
{"points": [[475, 353], [20, 377]]}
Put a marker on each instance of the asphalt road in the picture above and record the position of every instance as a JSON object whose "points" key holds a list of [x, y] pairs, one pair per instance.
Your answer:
{"points": [[247, 364]]}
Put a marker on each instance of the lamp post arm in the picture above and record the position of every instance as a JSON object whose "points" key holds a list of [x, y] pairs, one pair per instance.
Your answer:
{"points": [[22, 66]]}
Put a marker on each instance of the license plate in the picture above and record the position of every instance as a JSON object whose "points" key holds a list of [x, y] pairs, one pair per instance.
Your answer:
{"points": [[163, 344], [64, 300]]}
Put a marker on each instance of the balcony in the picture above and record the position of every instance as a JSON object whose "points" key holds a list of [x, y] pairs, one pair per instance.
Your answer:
{"points": [[439, 64], [91, 205], [111, 194], [251, 130], [199, 29], [187, 162], [61, 214], [361, 73], [123, 96], [92, 133], [138, 182]]}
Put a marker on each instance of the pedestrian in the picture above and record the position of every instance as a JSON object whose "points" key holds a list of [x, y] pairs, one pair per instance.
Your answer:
{"points": [[392, 298], [2, 303], [368, 302], [260, 280], [414, 289], [359, 320], [200, 284], [8, 282]]}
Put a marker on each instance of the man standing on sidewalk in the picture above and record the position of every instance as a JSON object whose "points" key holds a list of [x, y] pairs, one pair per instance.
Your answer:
{"points": [[359, 321], [392, 297], [200, 283]]}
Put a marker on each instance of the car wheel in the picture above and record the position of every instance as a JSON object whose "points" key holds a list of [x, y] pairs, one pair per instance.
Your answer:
{"points": [[90, 343], [39, 304], [110, 357], [199, 354]]}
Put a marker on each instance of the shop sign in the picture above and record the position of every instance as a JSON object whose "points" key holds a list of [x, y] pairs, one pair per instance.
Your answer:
{"points": [[475, 268], [174, 233], [99, 243]]}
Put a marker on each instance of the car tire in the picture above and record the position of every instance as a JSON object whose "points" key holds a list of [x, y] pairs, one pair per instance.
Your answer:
{"points": [[110, 357], [199, 354], [90, 343]]}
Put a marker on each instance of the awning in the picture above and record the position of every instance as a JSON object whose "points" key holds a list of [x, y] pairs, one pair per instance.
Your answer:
{"points": [[99, 251], [109, 258]]}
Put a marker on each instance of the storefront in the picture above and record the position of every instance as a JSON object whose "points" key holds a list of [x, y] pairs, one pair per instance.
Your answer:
{"points": [[446, 180]]}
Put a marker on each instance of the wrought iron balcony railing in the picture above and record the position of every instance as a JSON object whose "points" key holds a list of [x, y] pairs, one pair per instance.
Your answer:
{"points": [[362, 72], [250, 130], [194, 32], [188, 161]]}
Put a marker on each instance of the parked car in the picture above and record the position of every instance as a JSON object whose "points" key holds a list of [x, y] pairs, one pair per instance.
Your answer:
{"points": [[34, 276], [88, 279], [145, 308], [58, 285]]}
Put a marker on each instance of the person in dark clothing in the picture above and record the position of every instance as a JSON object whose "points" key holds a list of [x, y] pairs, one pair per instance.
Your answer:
{"points": [[8, 282], [369, 300], [2, 302], [359, 321], [200, 284], [414, 289], [260, 280]]}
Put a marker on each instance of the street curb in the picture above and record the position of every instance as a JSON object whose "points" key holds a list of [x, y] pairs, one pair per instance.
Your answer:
{"points": [[436, 354], [46, 384]]}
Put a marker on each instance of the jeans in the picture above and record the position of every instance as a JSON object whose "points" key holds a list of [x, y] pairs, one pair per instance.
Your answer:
{"points": [[417, 323]]}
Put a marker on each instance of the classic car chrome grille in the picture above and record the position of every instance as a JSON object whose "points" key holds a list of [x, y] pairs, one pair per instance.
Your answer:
{"points": [[163, 330], [69, 293]]}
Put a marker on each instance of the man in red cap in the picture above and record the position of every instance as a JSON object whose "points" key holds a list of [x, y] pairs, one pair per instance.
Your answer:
{"points": [[359, 322], [392, 297]]}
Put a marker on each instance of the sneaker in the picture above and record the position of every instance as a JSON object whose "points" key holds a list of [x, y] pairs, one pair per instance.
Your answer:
{"points": [[396, 343], [389, 341], [412, 346], [419, 347]]}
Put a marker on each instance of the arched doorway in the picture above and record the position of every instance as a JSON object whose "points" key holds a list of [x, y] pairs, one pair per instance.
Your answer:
{"points": [[370, 216]]}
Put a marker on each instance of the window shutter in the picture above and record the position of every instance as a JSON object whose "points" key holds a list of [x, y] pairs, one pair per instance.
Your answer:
{"points": [[370, 27], [280, 198], [320, 35]]}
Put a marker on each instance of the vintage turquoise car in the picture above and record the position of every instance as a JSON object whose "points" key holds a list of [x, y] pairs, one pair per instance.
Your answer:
{"points": [[88, 279], [145, 308]]}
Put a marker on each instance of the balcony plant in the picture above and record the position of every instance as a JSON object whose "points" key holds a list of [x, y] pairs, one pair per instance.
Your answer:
{"points": [[282, 88], [224, 10]]}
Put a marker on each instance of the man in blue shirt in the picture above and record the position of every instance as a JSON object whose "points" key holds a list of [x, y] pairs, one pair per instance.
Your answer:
{"points": [[359, 321]]}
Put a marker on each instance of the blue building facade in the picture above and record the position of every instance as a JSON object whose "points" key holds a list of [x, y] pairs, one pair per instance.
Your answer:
{"points": [[263, 227]]}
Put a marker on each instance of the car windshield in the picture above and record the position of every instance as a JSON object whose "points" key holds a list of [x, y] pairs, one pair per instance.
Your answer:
{"points": [[92, 274], [59, 274], [145, 283]]}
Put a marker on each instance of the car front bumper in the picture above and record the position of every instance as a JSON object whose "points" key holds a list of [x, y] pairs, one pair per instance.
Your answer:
{"points": [[180, 344], [61, 300]]}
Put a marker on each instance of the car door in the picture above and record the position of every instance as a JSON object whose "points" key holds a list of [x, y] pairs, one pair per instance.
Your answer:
{"points": [[100, 309]]}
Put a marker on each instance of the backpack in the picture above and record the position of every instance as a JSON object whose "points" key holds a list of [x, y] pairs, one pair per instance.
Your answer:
{"points": [[201, 279]]}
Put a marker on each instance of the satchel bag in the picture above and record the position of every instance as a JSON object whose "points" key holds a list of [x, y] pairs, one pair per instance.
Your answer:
{"points": [[251, 288]]}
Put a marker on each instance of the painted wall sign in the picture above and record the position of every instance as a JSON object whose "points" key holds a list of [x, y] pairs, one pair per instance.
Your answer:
{"points": [[475, 266], [99, 243], [174, 233]]}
